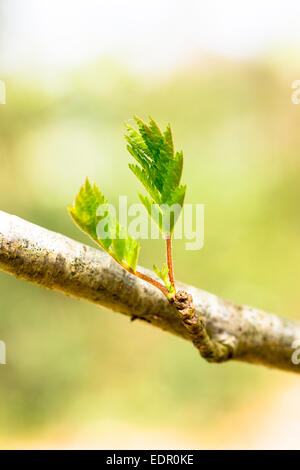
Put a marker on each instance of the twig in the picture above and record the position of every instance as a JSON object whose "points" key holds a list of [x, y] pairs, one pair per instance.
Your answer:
{"points": [[233, 331]]}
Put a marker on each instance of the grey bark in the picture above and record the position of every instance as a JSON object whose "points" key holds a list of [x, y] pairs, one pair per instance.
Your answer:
{"points": [[56, 262]]}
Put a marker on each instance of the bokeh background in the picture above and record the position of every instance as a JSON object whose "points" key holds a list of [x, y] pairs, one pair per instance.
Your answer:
{"points": [[221, 73]]}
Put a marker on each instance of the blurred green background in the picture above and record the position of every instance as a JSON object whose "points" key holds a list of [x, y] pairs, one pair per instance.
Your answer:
{"points": [[68, 381]]}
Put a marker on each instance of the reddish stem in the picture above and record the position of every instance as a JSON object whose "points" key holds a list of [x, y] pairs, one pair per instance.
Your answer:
{"points": [[170, 261], [146, 278], [151, 281]]}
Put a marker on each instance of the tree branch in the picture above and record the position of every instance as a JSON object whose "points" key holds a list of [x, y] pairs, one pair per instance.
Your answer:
{"points": [[56, 262]]}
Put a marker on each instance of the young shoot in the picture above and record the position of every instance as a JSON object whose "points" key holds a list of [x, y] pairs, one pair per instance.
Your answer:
{"points": [[159, 168]]}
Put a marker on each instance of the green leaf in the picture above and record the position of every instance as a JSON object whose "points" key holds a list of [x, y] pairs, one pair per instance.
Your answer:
{"points": [[85, 207], [141, 174], [154, 210], [169, 141], [92, 214], [163, 274], [159, 169], [173, 175]]}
